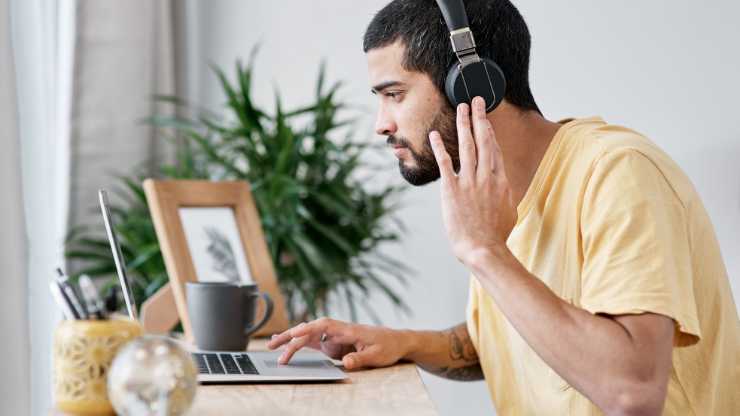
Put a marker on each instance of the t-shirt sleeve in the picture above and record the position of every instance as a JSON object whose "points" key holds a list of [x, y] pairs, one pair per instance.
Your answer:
{"points": [[636, 250]]}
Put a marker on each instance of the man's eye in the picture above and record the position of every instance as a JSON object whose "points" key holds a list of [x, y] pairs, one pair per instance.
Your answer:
{"points": [[393, 94]]}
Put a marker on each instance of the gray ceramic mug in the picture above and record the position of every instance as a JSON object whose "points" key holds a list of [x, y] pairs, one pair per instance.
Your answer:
{"points": [[222, 315]]}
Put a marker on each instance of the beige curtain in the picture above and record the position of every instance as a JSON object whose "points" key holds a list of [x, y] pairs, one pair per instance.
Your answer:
{"points": [[125, 54]]}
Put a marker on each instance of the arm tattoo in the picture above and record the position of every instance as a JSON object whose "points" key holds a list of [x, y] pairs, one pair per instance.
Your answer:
{"points": [[470, 373], [463, 364], [461, 347]]}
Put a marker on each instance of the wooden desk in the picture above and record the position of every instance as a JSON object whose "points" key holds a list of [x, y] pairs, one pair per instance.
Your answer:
{"points": [[396, 390]]}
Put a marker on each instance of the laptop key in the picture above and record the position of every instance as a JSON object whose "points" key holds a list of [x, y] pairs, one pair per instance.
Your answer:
{"points": [[246, 364], [214, 364], [229, 364], [200, 362]]}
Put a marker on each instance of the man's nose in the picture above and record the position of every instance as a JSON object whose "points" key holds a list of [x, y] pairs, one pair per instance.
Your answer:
{"points": [[384, 125]]}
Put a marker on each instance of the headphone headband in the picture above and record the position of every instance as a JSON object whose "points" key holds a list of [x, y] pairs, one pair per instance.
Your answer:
{"points": [[454, 14]]}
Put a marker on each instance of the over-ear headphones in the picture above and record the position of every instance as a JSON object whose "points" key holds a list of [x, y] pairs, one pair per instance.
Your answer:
{"points": [[472, 75]]}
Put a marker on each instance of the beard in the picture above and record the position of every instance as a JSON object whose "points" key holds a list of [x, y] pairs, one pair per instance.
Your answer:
{"points": [[426, 169]]}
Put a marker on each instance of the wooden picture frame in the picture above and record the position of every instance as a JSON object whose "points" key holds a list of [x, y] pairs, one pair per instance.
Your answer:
{"points": [[168, 201]]}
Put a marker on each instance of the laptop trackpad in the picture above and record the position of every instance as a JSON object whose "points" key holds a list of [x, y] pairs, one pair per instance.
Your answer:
{"points": [[303, 363]]}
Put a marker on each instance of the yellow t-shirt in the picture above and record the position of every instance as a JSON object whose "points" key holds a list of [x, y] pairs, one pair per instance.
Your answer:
{"points": [[612, 225]]}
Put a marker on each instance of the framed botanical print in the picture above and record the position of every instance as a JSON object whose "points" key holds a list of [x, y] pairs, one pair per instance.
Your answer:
{"points": [[209, 231]]}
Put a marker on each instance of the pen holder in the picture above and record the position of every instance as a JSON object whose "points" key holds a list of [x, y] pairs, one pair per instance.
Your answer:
{"points": [[83, 352]]}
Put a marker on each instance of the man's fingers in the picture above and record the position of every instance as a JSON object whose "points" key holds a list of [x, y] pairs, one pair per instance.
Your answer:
{"points": [[318, 326], [279, 339], [336, 331], [483, 138], [351, 361], [314, 327], [293, 346], [355, 360], [443, 158], [309, 334], [466, 142], [371, 356], [344, 335]]}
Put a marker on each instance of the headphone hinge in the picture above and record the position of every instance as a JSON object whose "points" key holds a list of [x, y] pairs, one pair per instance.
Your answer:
{"points": [[463, 43]]}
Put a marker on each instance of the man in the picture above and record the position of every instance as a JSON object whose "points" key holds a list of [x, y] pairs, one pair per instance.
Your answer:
{"points": [[597, 282]]}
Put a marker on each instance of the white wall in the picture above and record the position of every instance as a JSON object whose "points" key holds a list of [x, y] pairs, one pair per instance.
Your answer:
{"points": [[666, 68]]}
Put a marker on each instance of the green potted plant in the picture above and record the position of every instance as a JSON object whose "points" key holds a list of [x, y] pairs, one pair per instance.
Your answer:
{"points": [[323, 224]]}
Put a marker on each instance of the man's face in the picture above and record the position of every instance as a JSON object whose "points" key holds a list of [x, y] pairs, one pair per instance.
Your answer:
{"points": [[410, 107]]}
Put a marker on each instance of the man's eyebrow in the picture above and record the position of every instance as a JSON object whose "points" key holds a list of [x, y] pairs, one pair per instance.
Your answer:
{"points": [[383, 85]]}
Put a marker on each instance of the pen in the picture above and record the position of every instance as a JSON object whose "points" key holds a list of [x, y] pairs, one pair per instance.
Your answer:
{"points": [[61, 300], [94, 304], [71, 294]]}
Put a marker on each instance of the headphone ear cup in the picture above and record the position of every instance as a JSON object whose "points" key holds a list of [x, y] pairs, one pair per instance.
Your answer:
{"points": [[457, 92], [453, 76]]}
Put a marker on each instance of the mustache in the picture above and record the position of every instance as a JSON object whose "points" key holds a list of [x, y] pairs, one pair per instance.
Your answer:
{"points": [[397, 141]]}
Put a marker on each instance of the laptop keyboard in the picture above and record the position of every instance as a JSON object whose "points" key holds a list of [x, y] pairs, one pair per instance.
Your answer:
{"points": [[224, 363]]}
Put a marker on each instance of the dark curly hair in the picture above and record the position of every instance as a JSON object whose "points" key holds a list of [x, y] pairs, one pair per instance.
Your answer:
{"points": [[500, 34]]}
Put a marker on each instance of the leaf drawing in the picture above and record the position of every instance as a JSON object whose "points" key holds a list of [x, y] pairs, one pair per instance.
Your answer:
{"points": [[222, 254]]}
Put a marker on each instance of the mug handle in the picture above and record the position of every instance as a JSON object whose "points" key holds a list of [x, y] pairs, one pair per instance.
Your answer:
{"points": [[268, 314]]}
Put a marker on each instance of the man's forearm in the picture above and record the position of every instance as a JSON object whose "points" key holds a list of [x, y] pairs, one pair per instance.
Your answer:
{"points": [[449, 354], [595, 354]]}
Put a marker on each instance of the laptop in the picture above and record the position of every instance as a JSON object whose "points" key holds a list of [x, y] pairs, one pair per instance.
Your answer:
{"points": [[220, 367]]}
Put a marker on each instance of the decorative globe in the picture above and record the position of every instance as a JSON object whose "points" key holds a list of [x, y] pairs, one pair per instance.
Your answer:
{"points": [[152, 375]]}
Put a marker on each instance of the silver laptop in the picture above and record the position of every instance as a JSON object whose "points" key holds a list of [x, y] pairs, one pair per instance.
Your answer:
{"points": [[230, 366]]}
